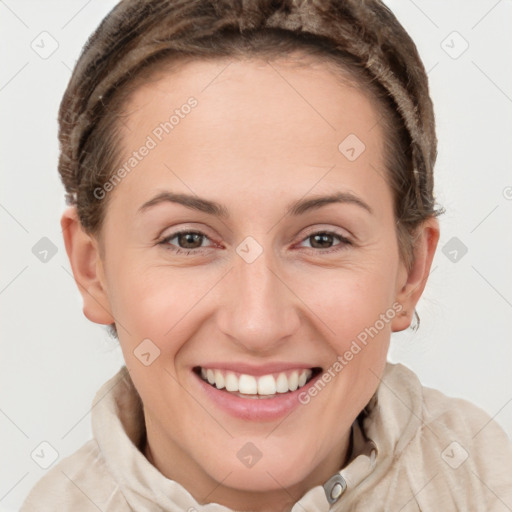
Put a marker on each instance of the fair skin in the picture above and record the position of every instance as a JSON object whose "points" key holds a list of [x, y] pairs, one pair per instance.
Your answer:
{"points": [[253, 145]]}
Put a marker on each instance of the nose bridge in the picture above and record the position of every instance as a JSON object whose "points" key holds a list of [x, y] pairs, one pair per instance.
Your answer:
{"points": [[259, 311]]}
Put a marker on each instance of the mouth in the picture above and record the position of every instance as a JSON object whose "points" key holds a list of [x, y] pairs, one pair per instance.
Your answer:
{"points": [[267, 386]]}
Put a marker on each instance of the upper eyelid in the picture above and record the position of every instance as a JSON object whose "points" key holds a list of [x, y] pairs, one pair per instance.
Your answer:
{"points": [[315, 227], [314, 230]]}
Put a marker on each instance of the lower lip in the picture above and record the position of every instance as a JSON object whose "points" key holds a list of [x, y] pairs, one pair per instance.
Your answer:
{"points": [[255, 409]]}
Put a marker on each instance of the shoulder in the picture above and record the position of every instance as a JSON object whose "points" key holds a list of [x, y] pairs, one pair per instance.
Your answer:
{"points": [[437, 413], [473, 434], [80, 481], [457, 450]]}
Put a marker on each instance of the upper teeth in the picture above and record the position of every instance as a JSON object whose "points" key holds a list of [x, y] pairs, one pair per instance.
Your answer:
{"points": [[251, 385]]}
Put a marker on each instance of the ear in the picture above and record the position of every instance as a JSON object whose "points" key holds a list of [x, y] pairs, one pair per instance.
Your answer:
{"points": [[84, 257], [414, 282]]}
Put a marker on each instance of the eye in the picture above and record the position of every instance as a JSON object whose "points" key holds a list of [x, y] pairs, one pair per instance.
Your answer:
{"points": [[186, 241], [323, 240], [190, 242]]}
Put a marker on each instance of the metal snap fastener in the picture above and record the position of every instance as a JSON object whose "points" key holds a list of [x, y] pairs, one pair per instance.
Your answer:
{"points": [[336, 491], [334, 488]]}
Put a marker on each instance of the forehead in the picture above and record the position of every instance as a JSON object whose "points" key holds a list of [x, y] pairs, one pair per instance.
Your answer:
{"points": [[303, 87], [255, 124]]}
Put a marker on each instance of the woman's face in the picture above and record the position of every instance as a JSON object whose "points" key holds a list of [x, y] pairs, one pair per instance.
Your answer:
{"points": [[272, 283]]}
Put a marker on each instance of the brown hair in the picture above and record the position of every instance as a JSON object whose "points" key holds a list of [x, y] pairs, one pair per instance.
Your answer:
{"points": [[360, 37]]}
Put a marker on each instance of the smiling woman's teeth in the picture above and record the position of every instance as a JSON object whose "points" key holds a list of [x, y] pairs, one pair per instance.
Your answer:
{"points": [[265, 385]]}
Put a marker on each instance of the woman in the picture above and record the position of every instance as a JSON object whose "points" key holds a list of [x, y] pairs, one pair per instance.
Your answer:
{"points": [[252, 213]]}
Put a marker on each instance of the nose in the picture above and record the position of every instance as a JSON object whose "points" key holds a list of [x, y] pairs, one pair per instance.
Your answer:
{"points": [[258, 309]]}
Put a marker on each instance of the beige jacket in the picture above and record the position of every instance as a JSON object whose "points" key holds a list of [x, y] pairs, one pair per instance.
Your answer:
{"points": [[414, 450]]}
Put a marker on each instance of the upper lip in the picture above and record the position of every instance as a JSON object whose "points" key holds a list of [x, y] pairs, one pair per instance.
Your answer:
{"points": [[257, 370]]}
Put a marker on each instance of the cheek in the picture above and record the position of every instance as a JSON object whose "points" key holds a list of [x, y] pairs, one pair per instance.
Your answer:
{"points": [[351, 300], [154, 303], [358, 308], [362, 309]]}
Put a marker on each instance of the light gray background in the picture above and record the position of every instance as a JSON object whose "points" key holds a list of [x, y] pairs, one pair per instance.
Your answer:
{"points": [[53, 359]]}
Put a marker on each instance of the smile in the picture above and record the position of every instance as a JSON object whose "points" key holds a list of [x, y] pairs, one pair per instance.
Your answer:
{"points": [[245, 385]]}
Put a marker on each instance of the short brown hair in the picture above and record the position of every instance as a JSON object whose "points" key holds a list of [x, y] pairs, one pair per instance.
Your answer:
{"points": [[361, 38]]}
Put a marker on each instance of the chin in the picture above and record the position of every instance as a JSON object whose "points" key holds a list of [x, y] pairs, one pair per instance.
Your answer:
{"points": [[263, 474]]}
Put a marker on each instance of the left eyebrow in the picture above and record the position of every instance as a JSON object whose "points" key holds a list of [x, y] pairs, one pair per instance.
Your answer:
{"points": [[313, 203], [294, 209]]}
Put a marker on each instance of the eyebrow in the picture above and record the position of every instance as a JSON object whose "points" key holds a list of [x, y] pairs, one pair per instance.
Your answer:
{"points": [[294, 209]]}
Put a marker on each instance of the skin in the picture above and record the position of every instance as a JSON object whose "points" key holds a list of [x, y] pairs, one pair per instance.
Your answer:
{"points": [[254, 145]]}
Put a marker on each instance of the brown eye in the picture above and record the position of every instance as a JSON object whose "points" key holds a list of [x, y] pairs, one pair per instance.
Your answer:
{"points": [[185, 241], [189, 240], [321, 240], [326, 241]]}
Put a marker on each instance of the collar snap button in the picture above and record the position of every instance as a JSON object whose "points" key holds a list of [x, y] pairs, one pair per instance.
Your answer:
{"points": [[334, 488]]}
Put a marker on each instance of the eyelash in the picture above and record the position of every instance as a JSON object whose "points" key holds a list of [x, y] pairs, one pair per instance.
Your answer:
{"points": [[187, 252]]}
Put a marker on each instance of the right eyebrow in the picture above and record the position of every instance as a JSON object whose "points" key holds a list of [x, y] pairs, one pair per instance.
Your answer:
{"points": [[190, 201]]}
